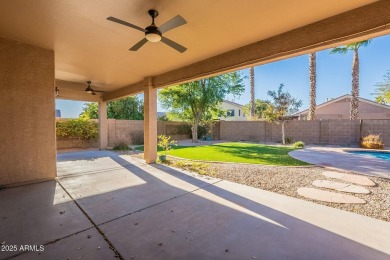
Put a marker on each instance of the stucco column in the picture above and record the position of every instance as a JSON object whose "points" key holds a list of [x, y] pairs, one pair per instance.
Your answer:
{"points": [[27, 114], [150, 124], [103, 125]]}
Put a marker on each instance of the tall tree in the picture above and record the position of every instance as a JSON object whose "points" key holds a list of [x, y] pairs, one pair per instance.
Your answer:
{"points": [[382, 90], [354, 47], [260, 107], [130, 108], [198, 101], [313, 86], [283, 105], [89, 111], [252, 83]]}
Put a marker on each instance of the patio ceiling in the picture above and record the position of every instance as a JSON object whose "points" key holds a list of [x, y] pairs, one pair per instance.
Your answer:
{"points": [[88, 47]]}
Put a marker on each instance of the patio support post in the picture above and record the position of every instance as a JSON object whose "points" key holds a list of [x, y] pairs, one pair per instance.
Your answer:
{"points": [[103, 126], [150, 123], [27, 117]]}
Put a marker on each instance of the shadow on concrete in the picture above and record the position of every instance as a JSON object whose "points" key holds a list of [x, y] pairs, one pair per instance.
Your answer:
{"points": [[218, 219], [169, 215]]}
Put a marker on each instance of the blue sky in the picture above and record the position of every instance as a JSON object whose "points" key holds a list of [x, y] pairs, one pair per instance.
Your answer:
{"points": [[333, 76]]}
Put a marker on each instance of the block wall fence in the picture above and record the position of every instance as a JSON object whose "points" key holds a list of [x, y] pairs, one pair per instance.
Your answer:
{"points": [[324, 132], [132, 131], [128, 132]]}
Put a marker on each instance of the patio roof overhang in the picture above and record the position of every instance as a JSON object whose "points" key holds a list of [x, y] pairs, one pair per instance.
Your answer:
{"points": [[44, 44], [220, 36]]}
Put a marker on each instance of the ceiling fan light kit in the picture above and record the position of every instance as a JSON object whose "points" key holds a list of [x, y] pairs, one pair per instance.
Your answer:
{"points": [[154, 33], [153, 36], [90, 90]]}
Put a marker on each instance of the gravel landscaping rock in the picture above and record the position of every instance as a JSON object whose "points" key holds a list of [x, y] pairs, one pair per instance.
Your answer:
{"points": [[286, 180]]}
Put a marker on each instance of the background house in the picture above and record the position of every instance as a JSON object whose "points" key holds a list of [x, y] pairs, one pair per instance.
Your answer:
{"points": [[339, 108], [234, 111], [58, 113]]}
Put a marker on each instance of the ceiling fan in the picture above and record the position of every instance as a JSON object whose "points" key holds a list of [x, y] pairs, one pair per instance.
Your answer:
{"points": [[154, 33], [91, 90]]}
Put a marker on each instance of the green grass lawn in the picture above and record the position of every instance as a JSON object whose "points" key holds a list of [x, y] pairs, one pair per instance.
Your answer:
{"points": [[236, 152]]}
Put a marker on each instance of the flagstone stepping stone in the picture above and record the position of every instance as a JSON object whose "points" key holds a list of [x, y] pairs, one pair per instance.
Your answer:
{"points": [[329, 196], [361, 180], [340, 186]]}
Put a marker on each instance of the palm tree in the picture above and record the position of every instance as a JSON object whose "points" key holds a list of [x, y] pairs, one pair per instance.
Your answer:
{"points": [[313, 82], [354, 114], [252, 82]]}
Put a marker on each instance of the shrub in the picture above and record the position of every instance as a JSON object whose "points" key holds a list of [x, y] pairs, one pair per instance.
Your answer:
{"points": [[137, 138], [202, 131], [372, 141], [77, 128], [288, 140], [121, 147], [299, 144], [178, 129], [165, 142]]}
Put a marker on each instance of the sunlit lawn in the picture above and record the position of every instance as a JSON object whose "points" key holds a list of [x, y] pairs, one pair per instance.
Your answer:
{"points": [[236, 152]]}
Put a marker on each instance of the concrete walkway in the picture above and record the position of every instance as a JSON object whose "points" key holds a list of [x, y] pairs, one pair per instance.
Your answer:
{"points": [[337, 157], [104, 204]]}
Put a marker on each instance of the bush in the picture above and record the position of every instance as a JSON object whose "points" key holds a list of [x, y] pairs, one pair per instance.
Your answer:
{"points": [[372, 142], [288, 140], [299, 144], [137, 138], [165, 142], [77, 128], [202, 131], [121, 147]]}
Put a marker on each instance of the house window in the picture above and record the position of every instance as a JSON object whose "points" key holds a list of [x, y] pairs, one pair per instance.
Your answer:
{"points": [[239, 112], [230, 112]]}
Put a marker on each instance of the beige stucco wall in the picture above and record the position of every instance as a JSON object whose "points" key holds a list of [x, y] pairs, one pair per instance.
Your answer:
{"points": [[27, 114], [341, 110]]}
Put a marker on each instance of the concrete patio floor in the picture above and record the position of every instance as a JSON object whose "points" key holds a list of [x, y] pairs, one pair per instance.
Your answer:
{"points": [[337, 157], [104, 202]]}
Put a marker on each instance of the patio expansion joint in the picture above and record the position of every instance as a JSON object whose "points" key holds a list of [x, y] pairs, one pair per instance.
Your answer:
{"points": [[159, 203], [110, 245], [127, 166]]}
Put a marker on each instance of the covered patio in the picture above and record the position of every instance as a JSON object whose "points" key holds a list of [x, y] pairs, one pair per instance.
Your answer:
{"points": [[98, 204], [104, 204], [63, 44]]}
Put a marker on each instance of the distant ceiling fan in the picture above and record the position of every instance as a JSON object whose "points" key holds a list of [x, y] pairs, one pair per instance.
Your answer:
{"points": [[154, 33], [91, 90]]}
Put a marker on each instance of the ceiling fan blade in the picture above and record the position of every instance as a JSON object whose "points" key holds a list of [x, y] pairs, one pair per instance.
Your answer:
{"points": [[138, 45], [173, 44], [100, 91], [116, 20], [172, 24]]}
